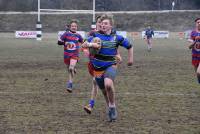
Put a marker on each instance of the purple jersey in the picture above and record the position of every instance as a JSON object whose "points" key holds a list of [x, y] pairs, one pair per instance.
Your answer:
{"points": [[71, 43], [195, 36]]}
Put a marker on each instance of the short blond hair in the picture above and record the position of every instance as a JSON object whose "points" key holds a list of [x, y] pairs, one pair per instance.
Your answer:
{"points": [[108, 17]]}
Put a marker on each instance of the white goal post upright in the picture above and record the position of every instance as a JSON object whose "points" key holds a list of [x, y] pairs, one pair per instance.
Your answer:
{"points": [[38, 10], [93, 26], [39, 25]]}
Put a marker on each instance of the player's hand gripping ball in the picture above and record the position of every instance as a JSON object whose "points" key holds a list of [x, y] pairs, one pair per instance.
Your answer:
{"points": [[118, 59], [95, 49]]}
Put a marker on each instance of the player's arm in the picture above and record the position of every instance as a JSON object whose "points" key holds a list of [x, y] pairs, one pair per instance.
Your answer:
{"points": [[191, 40], [152, 33], [191, 43], [130, 56], [118, 57], [87, 44], [61, 40], [145, 35], [84, 49], [92, 44], [126, 44]]}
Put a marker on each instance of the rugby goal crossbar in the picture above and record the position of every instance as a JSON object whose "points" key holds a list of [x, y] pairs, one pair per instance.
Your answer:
{"points": [[39, 25], [60, 10]]}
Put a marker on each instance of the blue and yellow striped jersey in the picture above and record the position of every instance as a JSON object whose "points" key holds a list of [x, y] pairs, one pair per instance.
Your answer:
{"points": [[108, 51]]}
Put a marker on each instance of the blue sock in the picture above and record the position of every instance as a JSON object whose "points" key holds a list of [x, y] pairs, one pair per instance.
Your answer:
{"points": [[92, 103]]}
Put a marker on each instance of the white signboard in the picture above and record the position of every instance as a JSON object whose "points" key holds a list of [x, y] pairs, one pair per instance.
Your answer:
{"points": [[82, 33], [26, 34], [158, 34], [122, 33], [187, 34]]}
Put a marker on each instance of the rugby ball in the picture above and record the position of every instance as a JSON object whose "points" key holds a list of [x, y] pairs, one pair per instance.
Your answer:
{"points": [[92, 50]]}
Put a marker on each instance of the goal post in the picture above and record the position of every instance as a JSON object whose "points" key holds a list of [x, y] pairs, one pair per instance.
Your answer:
{"points": [[39, 24]]}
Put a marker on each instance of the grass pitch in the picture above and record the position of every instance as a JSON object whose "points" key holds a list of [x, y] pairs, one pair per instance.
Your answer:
{"points": [[159, 94]]}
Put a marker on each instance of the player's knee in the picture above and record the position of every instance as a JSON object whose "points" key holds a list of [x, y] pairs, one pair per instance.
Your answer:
{"points": [[94, 82], [108, 83], [71, 68], [108, 86]]}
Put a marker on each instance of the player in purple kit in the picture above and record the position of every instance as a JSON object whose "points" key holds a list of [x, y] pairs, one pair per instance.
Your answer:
{"points": [[71, 41], [94, 92], [195, 46], [149, 33]]}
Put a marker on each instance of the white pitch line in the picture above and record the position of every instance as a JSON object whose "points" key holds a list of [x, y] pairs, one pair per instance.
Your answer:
{"points": [[118, 93]]}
